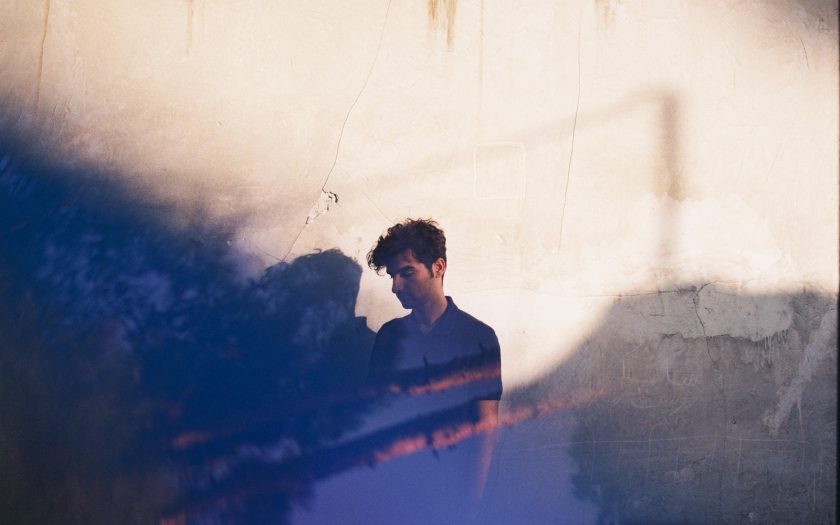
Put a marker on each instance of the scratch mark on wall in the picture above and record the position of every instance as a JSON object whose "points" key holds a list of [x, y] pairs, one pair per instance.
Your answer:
{"points": [[714, 438], [574, 131], [387, 219], [260, 249], [481, 51], [817, 349], [41, 55], [445, 20], [344, 124]]}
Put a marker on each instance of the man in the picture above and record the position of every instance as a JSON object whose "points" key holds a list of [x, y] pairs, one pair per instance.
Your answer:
{"points": [[454, 349]]}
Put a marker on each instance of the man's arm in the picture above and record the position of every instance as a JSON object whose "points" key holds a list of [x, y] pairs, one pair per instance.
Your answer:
{"points": [[488, 414], [488, 411]]}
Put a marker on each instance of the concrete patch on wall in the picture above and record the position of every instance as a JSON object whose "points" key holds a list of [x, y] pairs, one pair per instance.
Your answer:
{"points": [[725, 309]]}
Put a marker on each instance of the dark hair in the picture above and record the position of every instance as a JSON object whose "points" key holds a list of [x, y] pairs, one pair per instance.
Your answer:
{"points": [[423, 237]]}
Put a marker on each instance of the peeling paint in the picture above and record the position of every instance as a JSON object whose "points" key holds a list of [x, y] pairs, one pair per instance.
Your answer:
{"points": [[321, 206]]}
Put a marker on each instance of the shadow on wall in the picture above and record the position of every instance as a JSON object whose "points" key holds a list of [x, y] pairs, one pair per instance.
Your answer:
{"points": [[141, 380], [128, 346], [667, 420]]}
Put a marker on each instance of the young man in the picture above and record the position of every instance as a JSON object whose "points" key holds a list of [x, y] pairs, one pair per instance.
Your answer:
{"points": [[438, 341]]}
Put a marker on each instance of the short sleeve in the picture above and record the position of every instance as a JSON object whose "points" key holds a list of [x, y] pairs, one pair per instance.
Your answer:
{"points": [[492, 359]]}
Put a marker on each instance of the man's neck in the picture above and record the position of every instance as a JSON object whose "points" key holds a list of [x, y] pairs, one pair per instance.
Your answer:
{"points": [[427, 314]]}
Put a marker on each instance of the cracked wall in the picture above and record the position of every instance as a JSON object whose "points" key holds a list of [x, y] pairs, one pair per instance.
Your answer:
{"points": [[640, 197]]}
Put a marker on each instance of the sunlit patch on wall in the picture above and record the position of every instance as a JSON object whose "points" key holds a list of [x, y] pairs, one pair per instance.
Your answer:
{"points": [[498, 170]]}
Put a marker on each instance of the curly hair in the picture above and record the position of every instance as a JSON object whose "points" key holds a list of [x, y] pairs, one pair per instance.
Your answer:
{"points": [[423, 237]]}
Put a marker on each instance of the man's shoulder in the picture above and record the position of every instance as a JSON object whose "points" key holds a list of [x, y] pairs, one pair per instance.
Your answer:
{"points": [[468, 319], [394, 327], [470, 324], [396, 323]]}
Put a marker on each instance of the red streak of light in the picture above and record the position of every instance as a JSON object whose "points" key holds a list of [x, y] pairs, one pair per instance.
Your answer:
{"points": [[193, 438], [402, 447], [452, 381], [178, 519], [453, 434], [189, 439]]}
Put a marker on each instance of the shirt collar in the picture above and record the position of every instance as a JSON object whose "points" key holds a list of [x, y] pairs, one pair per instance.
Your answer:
{"points": [[444, 323]]}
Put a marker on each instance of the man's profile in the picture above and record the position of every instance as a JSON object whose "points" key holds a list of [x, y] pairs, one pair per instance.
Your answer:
{"points": [[436, 336]]}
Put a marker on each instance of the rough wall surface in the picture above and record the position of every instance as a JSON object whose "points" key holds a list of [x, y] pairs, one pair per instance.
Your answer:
{"points": [[640, 197]]}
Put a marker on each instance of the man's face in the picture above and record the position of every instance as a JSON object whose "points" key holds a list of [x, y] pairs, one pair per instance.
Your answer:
{"points": [[413, 282]]}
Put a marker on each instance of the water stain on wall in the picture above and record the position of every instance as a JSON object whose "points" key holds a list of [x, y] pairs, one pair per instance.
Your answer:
{"points": [[442, 17], [605, 10]]}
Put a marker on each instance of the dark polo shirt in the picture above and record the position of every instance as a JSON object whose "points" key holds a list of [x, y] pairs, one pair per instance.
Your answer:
{"points": [[457, 339], [440, 377]]}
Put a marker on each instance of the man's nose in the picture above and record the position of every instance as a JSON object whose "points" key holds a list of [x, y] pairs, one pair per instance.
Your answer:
{"points": [[396, 284]]}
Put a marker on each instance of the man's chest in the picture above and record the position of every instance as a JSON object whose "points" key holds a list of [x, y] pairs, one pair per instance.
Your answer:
{"points": [[418, 351]]}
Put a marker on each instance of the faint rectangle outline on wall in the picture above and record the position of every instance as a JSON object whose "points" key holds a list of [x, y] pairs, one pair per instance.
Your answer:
{"points": [[497, 170]]}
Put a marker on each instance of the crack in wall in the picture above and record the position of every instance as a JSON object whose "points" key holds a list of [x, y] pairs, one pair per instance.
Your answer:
{"points": [[378, 209], [721, 391], [696, 301], [574, 132], [343, 126], [41, 55], [358, 96], [804, 50]]}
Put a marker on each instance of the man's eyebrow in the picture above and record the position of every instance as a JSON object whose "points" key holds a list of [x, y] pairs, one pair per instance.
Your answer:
{"points": [[398, 270]]}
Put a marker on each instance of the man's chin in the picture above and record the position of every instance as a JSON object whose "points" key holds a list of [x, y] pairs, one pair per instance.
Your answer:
{"points": [[406, 303]]}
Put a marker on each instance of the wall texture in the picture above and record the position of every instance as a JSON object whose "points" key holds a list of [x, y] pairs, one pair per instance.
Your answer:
{"points": [[640, 197]]}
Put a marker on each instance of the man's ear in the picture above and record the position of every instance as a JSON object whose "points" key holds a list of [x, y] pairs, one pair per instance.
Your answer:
{"points": [[439, 267]]}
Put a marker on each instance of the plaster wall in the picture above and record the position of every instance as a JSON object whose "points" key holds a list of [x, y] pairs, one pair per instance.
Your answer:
{"points": [[640, 197]]}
